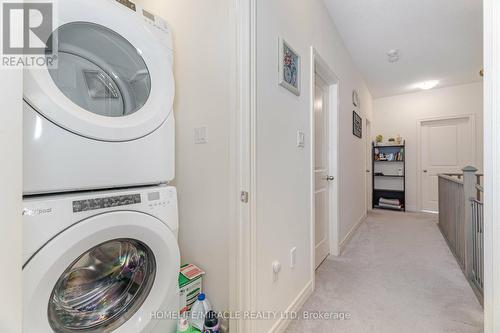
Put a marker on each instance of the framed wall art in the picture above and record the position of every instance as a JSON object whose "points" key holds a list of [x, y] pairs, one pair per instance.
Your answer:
{"points": [[357, 125], [289, 67]]}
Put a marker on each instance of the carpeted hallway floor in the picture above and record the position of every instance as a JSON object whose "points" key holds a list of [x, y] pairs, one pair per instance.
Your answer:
{"points": [[396, 275]]}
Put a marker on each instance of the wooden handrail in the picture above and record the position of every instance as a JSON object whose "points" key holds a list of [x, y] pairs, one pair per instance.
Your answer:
{"points": [[451, 177]]}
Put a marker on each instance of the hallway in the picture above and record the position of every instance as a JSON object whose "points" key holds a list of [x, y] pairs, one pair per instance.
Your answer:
{"points": [[396, 275]]}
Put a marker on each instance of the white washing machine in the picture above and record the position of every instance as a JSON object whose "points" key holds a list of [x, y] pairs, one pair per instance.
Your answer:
{"points": [[102, 118], [101, 262]]}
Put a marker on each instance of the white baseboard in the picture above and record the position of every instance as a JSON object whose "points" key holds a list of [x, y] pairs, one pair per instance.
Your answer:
{"points": [[282, 324], [413, 209], [351, 233]]}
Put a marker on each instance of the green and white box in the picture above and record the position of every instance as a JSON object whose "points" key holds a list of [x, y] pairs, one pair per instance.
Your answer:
{"points": [[189, 291]]}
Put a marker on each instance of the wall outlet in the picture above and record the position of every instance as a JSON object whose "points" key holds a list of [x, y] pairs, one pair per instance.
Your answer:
{"points": [[201, 135], [301, 139], [293, 257]]}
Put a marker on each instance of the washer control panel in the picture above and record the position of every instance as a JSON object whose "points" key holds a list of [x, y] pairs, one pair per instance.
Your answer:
{"points": [[156, 200]]}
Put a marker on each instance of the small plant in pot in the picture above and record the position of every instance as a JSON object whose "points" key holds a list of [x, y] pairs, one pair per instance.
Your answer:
{"points": [[378, 139], [392, 141]]}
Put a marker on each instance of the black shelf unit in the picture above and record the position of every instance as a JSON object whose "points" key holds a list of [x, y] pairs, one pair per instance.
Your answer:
{"points": [[389, 193]]}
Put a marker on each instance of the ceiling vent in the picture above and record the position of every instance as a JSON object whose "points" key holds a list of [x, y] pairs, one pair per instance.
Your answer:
{"points": [[393, 55]]}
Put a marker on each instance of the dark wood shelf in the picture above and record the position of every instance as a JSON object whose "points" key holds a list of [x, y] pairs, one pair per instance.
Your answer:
{"points": [[378, 193], [390, 146], [402, 209], [390, 176], [387, 190]]}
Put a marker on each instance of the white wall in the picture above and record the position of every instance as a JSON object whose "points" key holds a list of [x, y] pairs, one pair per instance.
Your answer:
{"points": [[202, 37], [399, 115], [203, 49], [11, 200], [283, 170]]}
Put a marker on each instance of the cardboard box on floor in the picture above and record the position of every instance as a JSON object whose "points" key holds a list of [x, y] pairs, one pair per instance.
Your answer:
{"points": [[190, 285]]}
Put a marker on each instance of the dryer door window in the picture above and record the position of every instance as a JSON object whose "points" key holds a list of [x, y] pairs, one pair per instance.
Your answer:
{"points": [[103, 288], [100, 70]]}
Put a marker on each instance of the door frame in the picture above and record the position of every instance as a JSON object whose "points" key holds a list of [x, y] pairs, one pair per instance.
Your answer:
{"points": [[318, 64], [368, 163], [242, 182], [491, 166], [472, 119]]}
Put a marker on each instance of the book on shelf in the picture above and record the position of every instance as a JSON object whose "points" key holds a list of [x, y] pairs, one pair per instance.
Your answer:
{"points": [[389, 157]]}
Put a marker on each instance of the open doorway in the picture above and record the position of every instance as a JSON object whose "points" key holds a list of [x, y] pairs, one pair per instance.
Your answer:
{"points": [[324, 130]]}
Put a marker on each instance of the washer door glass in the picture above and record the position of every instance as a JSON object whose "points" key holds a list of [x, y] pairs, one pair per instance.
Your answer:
{"points": [[103, 288], [100, 70]]}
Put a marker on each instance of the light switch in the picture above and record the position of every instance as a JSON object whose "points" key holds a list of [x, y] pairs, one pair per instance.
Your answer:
{"points": [[201, 135], [301, 139], [293, 257]]}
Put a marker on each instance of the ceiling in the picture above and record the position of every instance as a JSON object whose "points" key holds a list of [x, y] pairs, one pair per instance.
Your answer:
{"points": [[437, 40]]}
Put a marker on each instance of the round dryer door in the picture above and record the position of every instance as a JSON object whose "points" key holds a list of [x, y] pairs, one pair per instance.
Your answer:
{"points": [[109, 273], [112, 80]]}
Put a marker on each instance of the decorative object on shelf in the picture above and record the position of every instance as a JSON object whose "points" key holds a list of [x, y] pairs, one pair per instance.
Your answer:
{"points": [[355, 98], [391, 141], [289, 67], [357, 125], [378, 139], [399, 139]]}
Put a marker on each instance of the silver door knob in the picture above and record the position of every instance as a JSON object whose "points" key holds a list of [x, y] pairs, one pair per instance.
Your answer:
{"points": [[367, 171], [329, 178], [425, 171]]}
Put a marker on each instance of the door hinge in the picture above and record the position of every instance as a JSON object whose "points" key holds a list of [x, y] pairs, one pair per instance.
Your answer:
{"points": [[244, 196]]}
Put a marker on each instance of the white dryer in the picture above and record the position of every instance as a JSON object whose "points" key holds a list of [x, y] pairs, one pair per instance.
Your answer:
{"points": [[103, 117], [101, 262]]}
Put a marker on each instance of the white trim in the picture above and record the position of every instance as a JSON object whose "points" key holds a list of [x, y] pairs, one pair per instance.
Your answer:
{"points": [[282, 324], [368, 164], [242, 254], [412, 209], [351, 233], [491, 166], [318, 64], [472, 119]]}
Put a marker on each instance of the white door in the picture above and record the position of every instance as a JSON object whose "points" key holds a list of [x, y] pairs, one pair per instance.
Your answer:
{"points": [[368, 162], [447, 145], [321, 171]]}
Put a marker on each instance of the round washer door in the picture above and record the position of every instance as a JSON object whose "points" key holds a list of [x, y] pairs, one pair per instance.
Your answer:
{"points": [[108, 273], [113, 80]]}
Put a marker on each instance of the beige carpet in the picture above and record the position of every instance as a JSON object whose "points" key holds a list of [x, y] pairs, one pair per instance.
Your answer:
{"points": [[396, 275]]}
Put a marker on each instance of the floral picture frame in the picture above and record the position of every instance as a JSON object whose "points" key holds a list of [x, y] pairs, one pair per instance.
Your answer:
{"points": [[289, 67], [357, 125]]}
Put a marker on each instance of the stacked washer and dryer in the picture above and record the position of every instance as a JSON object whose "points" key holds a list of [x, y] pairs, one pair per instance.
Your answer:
{"points": [[100, 221]]}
